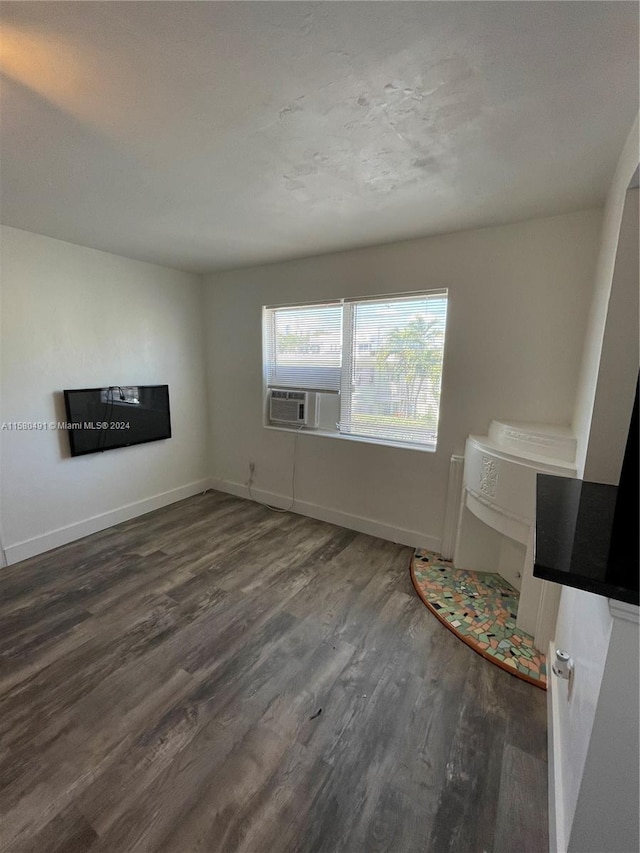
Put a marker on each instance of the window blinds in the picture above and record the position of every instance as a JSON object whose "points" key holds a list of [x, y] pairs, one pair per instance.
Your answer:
{"points": [[384, 355], [303, 346], [393, 368]]}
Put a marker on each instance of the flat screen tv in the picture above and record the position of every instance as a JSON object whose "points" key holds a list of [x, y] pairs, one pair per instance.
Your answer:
{"points": [[101, 419]]}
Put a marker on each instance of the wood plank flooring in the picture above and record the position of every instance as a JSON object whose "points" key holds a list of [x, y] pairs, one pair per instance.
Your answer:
{"points": [[216, 677]]}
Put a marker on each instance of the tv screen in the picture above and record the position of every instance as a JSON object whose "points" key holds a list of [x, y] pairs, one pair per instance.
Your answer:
{"points": [[101, 419]]}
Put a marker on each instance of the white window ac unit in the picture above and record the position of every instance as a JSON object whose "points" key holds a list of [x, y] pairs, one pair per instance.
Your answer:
{"points": [[298, 408]]}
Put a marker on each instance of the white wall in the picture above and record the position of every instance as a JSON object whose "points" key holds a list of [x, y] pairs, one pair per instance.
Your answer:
{"points": [[608, 373], [518, 302], [619, 357], [71, 318], [592, 380], [607, 815]]}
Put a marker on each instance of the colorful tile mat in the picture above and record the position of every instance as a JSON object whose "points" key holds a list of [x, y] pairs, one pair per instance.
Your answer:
{"points": [[481, 609]]}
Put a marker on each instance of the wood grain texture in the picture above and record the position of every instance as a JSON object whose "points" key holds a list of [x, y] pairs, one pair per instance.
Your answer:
{"points": [[160, 684], [517, 826]]}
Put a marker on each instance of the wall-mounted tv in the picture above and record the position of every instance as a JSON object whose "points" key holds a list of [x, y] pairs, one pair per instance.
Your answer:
{"points": [[101, 419]]}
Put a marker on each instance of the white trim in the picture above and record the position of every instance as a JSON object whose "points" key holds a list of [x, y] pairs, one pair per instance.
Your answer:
{"points": [[309, 304], [62, 535], [547, 616], [452, 512], [408, 294], [557, 842], [346, 374], [403, 536], [343, 300], [624, 611], [364, 439]]}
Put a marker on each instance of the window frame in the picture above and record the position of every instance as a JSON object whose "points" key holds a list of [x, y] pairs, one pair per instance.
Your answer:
{"points": [[345, 395]]}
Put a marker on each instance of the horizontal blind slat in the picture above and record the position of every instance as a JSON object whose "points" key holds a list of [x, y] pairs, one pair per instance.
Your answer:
{"points": [[396, 367], [388, 369], [304, 347]]}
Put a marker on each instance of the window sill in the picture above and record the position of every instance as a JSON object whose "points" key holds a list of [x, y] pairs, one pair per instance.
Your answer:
{"points": [[326, 433]]}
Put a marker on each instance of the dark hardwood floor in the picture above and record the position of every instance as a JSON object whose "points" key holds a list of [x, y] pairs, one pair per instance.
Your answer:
{"points": [[217, 677]]}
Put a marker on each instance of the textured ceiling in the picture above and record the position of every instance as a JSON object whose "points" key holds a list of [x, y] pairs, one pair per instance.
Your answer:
{"points": [[210, 135]]}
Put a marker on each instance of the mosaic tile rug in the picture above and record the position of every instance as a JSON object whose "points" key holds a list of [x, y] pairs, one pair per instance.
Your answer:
{"points": [[480, 608]]}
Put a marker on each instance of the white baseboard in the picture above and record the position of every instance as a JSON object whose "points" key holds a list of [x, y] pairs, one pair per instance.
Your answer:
{"points": [[62, 535], [402, 535], [557, 842]]}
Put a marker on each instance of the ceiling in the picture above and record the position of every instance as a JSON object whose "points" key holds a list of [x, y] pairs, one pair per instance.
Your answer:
{"points": [[212, 135]]}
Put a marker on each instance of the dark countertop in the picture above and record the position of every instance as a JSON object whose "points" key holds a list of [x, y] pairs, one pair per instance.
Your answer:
{"points": [[584, 539]]}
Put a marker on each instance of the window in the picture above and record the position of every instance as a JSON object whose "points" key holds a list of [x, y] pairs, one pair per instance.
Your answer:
{"points": [[304, 347], [383, 356]]}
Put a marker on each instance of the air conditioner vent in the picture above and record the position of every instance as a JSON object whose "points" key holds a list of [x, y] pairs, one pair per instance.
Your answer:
{"points": [[292, 407]]}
